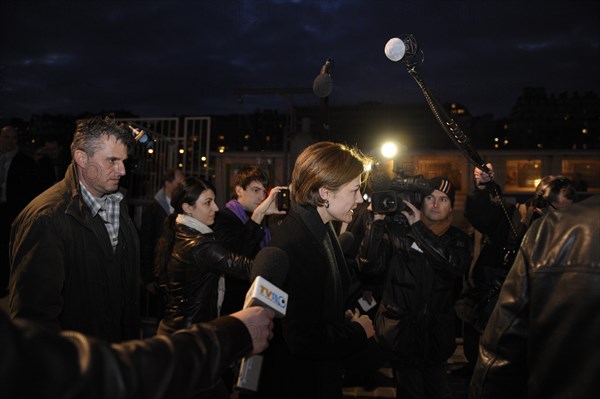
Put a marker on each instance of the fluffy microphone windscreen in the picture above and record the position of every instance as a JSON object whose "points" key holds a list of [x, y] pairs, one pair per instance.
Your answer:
{"points": [[395, 49], [323, 85], [379, 181]]}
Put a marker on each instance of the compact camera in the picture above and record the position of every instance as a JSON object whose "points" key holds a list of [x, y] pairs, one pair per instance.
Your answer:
{"points": [[283, 199]]}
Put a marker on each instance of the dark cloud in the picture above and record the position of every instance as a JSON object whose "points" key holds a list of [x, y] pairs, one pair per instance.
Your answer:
{"points": [[159, 58]]}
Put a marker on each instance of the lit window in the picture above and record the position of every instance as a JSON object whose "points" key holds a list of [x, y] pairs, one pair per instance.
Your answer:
{"points": [[522, 174]]}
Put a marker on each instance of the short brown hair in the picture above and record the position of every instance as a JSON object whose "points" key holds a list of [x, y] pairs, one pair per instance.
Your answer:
{"points": [[324, 164], [247, 175], [89, 133], [549, 188]]}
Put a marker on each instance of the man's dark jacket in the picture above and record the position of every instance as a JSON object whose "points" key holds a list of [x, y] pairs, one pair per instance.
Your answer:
{"points": [[64, 273], [153, 222], [542, 338], [242, 239], [237, 236], [415, 320], [44, 365], [22, 185]]}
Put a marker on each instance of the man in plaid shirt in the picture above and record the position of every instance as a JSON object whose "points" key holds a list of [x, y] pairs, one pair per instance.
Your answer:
{"points": [[74, 249]]}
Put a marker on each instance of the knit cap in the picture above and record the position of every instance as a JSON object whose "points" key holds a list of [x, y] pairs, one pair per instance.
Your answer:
{"points": [[444, 185]]}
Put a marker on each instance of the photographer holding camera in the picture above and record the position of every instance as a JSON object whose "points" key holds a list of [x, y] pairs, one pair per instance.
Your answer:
{"points": [[412, 243], [242, 226]]}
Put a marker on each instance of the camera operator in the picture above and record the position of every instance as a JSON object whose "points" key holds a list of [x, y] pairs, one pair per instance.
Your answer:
{"points": [[421, 255]]}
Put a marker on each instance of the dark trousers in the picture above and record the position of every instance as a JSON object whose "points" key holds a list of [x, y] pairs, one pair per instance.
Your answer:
{"points": [[470, 344], [421, 381]]}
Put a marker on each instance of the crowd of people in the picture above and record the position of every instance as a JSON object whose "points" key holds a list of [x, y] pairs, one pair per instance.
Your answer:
{"points": [[77, 268]]}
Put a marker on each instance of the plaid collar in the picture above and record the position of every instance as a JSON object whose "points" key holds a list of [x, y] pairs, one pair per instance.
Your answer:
{"points": [[107, 207], [95, 204]]}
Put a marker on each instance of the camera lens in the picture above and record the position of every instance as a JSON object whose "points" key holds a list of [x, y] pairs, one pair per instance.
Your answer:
{"points": [[388, 203]]}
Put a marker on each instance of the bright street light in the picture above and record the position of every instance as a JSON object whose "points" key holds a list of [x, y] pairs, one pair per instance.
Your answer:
{"points": [[389, 150]]}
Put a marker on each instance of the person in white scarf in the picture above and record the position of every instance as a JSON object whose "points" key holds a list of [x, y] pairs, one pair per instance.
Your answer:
{"points": [[191, 264]]}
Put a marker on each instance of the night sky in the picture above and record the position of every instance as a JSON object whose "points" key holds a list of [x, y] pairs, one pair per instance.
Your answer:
{"points": [[163, 58]]}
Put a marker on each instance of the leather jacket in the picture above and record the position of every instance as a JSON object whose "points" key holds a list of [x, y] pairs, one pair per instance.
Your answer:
{"points": [[194, 268], [542, 338], [36, 363]]}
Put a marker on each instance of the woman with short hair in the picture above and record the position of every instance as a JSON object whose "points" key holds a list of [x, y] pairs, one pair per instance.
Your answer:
{"points": [[305, 358]]}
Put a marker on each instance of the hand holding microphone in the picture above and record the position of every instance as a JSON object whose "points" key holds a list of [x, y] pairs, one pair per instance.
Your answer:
{"points": [[269, 271], [259, 322]]}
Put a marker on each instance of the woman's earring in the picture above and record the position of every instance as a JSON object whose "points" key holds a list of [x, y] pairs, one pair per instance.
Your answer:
{"points": [[326, 203]]}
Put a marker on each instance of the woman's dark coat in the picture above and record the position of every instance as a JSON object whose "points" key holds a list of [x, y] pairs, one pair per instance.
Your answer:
{"points": [[304, 359]]}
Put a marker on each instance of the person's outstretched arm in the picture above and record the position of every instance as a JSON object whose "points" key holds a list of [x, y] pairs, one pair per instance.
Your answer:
{"points": [[42, 364]]}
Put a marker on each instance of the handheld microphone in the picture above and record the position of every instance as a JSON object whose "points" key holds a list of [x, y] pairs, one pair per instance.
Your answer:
{"points": [[323, 84], [139, 135], [346, 240], [269, 270]]}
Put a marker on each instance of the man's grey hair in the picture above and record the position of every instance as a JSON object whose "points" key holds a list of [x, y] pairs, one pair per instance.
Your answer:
{"points": [[89, 132]]}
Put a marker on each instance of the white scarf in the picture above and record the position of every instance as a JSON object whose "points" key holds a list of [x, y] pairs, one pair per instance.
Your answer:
{"points": [[193, 223]]}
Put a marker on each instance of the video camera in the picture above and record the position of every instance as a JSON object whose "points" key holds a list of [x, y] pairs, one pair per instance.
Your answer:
{"points": [[410, 188]]}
